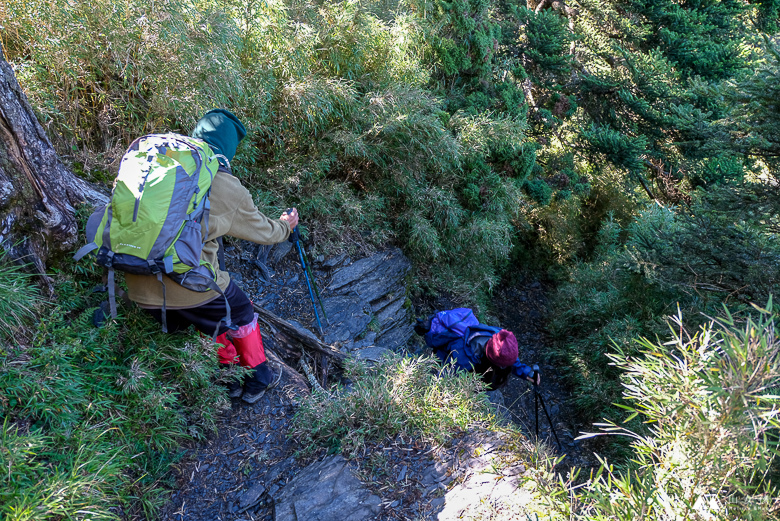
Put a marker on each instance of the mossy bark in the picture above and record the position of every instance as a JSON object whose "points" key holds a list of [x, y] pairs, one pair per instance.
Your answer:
{"points": [[38, 194]]}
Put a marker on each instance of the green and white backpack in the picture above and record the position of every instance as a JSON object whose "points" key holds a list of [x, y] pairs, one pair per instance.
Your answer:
{"points": [[159, 205]]}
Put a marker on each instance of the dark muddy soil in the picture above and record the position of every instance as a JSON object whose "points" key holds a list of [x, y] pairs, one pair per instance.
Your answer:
{"points": [[251, 448], [234, 474]]}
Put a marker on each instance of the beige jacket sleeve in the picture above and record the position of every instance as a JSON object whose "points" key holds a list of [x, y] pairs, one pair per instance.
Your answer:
{"points": [[233, 213]]}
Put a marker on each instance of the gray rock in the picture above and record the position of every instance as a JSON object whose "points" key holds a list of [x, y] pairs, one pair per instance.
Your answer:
{"points": [[265, 272], [373, 277], [262, 252], [371, 354], [395, 335], [326, 491], [279, 251], [380, 281], [251, 496], [491, 481], [367, 341], [347, 346], [348, 317], [334, 262], [391, 311]]}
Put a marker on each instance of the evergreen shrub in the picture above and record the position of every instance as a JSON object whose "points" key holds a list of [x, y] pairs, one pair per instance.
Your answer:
{"points": [[692, 260], [337, 102]]}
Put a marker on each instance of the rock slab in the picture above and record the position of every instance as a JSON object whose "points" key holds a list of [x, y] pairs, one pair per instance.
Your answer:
{"points": [[378, 281], [326, 491]]}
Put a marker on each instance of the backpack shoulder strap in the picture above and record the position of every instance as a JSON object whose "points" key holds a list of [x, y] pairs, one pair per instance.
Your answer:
{"points": [[478, 336]]}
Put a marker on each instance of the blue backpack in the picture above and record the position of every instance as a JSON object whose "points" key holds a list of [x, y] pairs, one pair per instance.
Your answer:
{"points": [[453, 331]]}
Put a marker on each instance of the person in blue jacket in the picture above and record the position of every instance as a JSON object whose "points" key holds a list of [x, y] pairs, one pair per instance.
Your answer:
{"points": [[456, 335]]}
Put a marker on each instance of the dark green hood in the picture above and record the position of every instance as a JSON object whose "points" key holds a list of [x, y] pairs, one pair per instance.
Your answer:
{"points": [[222, 130]]}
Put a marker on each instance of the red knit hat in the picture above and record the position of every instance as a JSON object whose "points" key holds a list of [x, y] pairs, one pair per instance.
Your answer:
{"points": [[501, 349]]}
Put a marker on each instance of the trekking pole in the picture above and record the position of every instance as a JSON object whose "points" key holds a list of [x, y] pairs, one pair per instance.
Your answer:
{"points": [[295, 238], [314, 285], [312, 278], [538, 398]]}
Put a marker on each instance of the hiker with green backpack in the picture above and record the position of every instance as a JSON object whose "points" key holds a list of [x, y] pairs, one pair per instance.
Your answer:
{"points": [[173, 199]]}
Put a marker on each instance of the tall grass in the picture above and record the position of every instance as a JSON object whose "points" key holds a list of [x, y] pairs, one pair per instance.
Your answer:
{"points": [[709, 397], [94, 418], [337, 95], [19, 297]]}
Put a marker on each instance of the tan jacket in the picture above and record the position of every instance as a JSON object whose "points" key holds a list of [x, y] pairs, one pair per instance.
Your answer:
{"points": [[233, 212]]}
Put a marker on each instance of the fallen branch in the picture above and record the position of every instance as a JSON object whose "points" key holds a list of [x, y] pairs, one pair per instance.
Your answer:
{"points": [[310, 375], [290, 333], [297, 379]]}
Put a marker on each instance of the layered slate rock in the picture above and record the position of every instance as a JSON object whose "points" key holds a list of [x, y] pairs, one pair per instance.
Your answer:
{"points": [[366, 311], [326, 491], [376, 288], [348, 318]]}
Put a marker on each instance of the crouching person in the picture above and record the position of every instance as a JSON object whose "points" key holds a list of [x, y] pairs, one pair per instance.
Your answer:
{"points": [[232, 212], [457, 337]]}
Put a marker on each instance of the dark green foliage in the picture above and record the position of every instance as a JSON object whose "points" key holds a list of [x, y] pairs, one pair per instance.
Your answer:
{"points": [[754, 125], [768, 15], [716, 171], [700, 38], [466, 36], [538, 190], [547, 42], [621, 149], [694, 260], [647, 78]]}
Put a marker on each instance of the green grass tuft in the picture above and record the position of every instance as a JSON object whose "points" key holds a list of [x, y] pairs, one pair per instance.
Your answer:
{"points": [[94, 417], [398, 396], [19, 297]]}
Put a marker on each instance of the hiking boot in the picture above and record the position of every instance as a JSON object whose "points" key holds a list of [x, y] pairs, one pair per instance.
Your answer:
{"points": [[252, 397], [264, 379], [234, 388]]}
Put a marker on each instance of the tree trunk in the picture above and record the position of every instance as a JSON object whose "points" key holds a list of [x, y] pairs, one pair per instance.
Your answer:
{"points": [[38, 194]]}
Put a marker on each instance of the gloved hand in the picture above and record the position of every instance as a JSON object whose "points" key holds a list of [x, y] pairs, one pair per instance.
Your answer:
{"points": [[422, 326]]}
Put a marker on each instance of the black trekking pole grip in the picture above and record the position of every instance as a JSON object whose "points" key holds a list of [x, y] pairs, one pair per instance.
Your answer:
{"points": [[536, 373]]}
